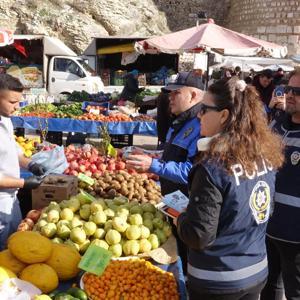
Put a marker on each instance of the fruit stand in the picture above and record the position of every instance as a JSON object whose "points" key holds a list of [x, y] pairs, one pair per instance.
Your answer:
{"points": [[97, 205]]}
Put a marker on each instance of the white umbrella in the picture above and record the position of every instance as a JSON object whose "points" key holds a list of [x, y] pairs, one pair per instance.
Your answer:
{"points": [[285, 68]]}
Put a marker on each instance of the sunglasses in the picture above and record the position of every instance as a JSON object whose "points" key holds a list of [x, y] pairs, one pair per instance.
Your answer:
{"points": [[295, 90], [205, 108]]}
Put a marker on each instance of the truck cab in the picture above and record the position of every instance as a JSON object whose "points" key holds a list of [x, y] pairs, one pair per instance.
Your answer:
{"points": [[67, 74]]}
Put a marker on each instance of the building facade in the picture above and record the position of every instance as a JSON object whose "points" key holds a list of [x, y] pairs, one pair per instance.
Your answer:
{"points": [[276, 21]]}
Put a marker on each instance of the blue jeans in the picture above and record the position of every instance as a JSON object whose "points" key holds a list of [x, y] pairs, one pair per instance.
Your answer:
{"points": [[10, 217]]}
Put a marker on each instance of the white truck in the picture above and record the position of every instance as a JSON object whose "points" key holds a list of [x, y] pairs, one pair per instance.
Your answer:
{"points": [[41, 61]]}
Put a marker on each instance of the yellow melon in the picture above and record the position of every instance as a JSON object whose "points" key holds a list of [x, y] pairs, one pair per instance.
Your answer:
{"points": [[10, 262], [29, 246], [42, 276], [64, 260]]}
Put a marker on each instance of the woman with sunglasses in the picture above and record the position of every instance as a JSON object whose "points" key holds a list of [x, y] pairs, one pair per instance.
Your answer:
{"points": [[230, 192]]}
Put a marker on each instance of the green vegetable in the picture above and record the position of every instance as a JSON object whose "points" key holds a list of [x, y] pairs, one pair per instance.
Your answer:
{"points": [[63, 296], [77, 293], [53, 294]]}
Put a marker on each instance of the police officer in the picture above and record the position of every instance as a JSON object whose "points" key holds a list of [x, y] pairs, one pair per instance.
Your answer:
{"points": [[283, 233], [181, 141], [11, 158], [230, 192], [180, 147]]}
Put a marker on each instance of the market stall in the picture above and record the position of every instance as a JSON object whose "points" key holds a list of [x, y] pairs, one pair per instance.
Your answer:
{"points": [[96, 245], [114, 56]]}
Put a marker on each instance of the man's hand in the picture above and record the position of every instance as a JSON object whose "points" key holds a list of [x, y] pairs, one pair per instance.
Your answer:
{"points": [[141, 163], [36, 169], [277, 102], [32, 182]]}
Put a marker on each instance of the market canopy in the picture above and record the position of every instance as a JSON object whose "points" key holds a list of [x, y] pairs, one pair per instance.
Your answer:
{"points": [[6, 37], [207, 37], [285, 68]]}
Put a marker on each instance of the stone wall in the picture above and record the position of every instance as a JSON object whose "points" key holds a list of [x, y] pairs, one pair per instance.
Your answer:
{"points": [[177, 11], [275, 21]]}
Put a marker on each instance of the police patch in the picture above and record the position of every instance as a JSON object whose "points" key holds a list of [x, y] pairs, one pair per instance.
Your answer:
{"points": [[295, 157], [187, 132], [260, 201]]}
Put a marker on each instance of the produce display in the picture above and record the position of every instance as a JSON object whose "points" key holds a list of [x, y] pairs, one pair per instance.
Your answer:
{"points": [[131, 279], [88, 160], [82, 96], [51, 111], [136, 187], [98, 109], [114, 117], [34, 258], [143, 118], [122, 227], [71, 294], [140, 96], [28, 145]]}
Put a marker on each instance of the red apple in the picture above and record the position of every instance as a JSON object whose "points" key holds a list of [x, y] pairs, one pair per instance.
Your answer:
{"points": [[71, 148], [87, 154], [23, 227], [111, 167], [97, 174], [102, 167], [29, 222], [73, 165], [33, 215], [88, 173], [82, 168], [120, 165], [93, 168], [74, 173]]}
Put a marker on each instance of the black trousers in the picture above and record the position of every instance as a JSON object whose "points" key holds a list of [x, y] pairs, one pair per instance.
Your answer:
{"points": [[284, 271], [247, 294]]}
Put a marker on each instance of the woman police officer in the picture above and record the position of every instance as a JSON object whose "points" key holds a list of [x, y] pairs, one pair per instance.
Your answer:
{"points": [[230, 190]]}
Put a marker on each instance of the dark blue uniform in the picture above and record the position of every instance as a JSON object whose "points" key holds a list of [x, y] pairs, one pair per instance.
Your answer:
{"points": [[224, 227]]}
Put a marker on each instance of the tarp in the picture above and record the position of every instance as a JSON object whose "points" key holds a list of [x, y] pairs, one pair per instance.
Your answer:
{"points": [[206, 37], [71, 125], [6, 37], [116, 49], [285, 68]]}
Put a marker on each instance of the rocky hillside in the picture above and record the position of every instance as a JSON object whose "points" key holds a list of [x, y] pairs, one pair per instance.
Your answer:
{"points": [[76, 22]]}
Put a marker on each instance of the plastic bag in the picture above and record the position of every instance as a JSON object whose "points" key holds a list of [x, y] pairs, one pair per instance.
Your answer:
{"points": [[16, 289], [54, 160]]}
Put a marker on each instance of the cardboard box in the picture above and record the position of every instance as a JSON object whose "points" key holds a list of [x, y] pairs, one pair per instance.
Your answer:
{"points": [[54, 188]]}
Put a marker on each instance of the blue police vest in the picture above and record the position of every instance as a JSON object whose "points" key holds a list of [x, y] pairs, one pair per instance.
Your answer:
{"points": [[180, 146], [237, 258], [284, 223]]}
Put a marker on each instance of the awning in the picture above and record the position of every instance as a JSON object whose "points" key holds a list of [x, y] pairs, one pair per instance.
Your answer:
{"points": [[116, 49], [6, 37]]}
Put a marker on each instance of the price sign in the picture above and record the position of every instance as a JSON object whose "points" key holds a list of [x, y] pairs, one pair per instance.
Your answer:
{"points": [[95, 260], [86, 179]]}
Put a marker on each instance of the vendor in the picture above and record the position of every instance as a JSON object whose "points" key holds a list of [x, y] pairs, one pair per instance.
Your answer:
{"points": [[131, 87], [12, 159], [231, 188]]}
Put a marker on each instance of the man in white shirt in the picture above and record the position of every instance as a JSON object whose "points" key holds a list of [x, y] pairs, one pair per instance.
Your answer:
{"points": [[11, 159]]}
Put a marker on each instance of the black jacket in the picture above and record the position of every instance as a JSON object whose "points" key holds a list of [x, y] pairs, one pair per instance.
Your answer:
{"points": [[201, 231], [131, 88]]}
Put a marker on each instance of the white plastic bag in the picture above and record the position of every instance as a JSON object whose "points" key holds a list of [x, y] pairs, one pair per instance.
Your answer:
{"points": [[54, 160]]}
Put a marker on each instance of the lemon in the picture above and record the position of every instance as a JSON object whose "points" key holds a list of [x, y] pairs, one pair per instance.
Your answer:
{"points": [[28, 153]]}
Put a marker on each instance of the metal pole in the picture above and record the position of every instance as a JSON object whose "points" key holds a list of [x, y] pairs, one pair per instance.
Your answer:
{"points": [[207, 72]]}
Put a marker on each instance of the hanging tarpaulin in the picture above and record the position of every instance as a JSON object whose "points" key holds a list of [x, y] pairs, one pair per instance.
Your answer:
{"points": [[116, 49], [6, 37]]}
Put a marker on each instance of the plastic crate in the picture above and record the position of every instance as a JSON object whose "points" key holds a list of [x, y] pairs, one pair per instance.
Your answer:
{"points": [[121, 140]]}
